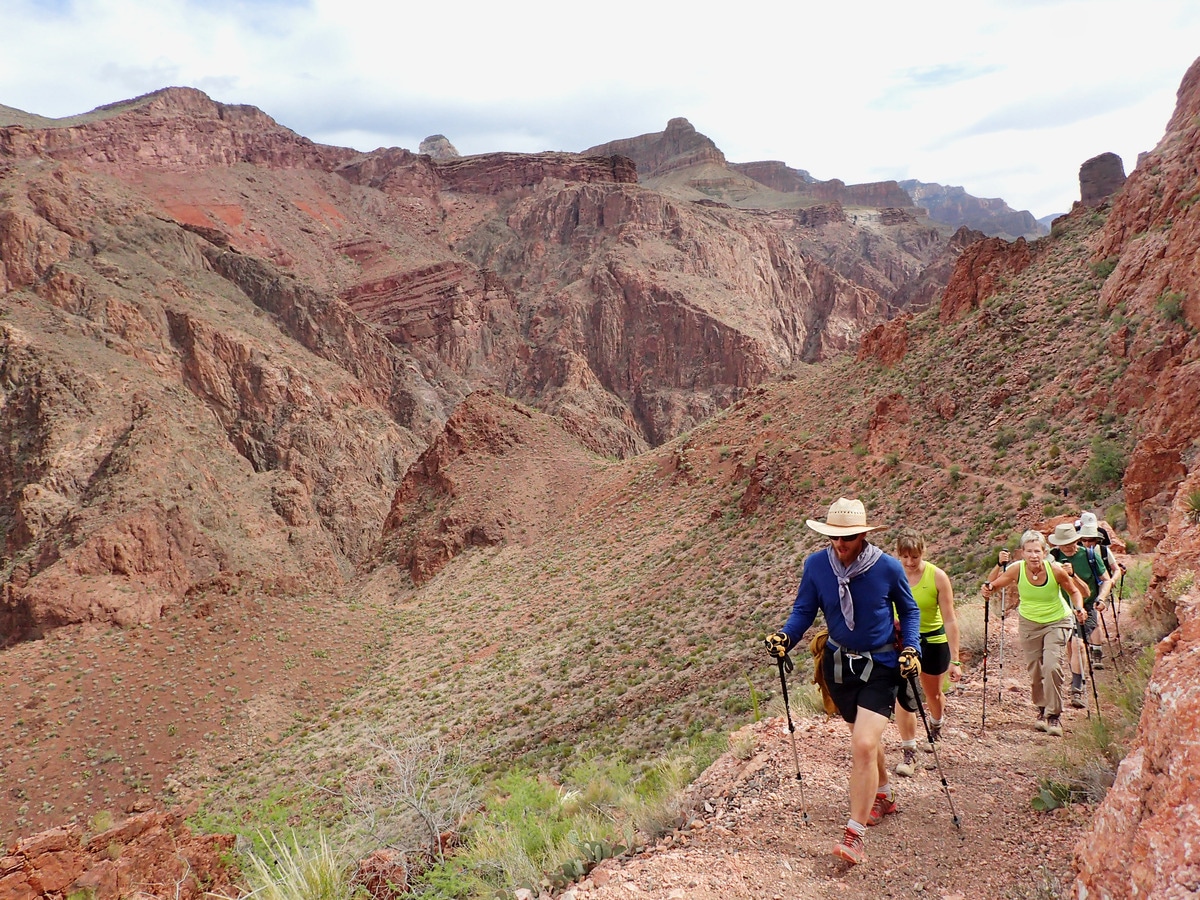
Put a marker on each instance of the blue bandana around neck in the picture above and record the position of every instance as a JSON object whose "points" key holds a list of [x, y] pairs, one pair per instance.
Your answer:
{"points": [[869, 556]]}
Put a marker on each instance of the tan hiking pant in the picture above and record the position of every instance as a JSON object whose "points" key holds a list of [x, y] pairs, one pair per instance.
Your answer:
{"points": [[1044, 647]]}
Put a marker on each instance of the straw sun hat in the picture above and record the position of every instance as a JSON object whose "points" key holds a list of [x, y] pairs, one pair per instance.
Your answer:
{"points": [[1064, 533], [845, 518]]}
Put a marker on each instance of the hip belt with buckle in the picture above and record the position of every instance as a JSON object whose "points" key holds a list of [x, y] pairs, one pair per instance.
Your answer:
{"points": [[843, 657]]}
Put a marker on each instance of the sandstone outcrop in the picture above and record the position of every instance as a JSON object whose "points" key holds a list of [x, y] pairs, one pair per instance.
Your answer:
{"points": [[439, 147], [1140, 843], [978, 273], [887, 342], [1099, 178], [151, 854]]}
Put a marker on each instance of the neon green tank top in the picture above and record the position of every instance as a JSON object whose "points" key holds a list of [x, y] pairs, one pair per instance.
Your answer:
{"points": [[1041, 604], [926, 595]]}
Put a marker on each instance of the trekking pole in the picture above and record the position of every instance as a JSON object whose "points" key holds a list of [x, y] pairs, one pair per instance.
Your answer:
{"points": [[912, 679], [1117, 612], [1003, 613], [792, 734], [1091, 673], [1108, 640], [987, 605]]}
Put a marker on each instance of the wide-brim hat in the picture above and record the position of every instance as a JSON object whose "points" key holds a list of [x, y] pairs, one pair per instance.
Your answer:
{"points": [[1064, 533], [1088, 526], [845, 518]]}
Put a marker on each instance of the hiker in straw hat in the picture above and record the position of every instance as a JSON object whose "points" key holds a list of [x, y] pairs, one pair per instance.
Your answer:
{"points": [[1094, 576], [859, 588]]}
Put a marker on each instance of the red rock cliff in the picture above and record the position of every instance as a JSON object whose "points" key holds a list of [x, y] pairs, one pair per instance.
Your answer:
{"points": [[1142, 842]]}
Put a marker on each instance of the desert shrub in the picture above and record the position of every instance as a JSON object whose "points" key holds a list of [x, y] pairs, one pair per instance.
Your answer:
{"points": [[1105, 467], [741, 744], [1103, 268], [290, 871], [1181, 584], [1191, 506], [1005, 438], [1170, 305]]}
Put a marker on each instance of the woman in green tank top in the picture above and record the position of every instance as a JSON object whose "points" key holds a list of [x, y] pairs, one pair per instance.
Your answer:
{"points": [[1044, 623], [934, 594]]}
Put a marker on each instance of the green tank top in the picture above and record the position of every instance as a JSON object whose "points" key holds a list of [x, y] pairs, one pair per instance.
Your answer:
{"points": [[926, 594], [1041, 604]]}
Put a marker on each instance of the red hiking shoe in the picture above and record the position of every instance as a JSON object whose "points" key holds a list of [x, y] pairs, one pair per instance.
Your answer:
{"points": [[851, 848], [883, 807]]}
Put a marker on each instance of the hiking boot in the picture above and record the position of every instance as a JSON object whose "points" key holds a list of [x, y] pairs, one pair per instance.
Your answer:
{"points": [[935, 731], [1040, 722], [851, 848], [909, 765], [1077, 700], [1053, 726], [1097, 657], [883, 807]]}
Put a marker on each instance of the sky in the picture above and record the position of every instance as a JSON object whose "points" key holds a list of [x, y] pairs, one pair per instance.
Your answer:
{"points": [[1006, 98]]}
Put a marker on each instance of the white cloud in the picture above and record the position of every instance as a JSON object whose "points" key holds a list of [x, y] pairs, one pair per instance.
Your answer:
{"points": [[1005, 98]]}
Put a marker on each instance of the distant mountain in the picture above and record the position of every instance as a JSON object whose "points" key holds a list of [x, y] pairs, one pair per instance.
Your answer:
{"points": [[687, 164], [954, 206], [1046, 221]]}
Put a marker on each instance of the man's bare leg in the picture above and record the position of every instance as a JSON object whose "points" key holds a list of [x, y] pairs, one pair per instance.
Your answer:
{"points": [[868, 768]]}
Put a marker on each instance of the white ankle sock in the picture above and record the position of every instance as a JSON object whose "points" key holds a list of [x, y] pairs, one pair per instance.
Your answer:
{"points": [[857, 828]]}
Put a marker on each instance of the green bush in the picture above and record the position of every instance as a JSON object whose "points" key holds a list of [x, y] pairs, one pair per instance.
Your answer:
{"points": [[1105, 467], [1005, 438], [1170, 305], [1104, 267]]}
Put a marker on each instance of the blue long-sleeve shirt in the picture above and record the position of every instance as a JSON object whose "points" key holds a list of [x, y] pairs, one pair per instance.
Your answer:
{"points": [[874, 592]]}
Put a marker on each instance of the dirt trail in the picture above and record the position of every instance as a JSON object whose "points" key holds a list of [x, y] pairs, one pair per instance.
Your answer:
{"points": [[748, 840]]}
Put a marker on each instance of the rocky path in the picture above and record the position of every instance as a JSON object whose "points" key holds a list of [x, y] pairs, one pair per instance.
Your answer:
{"points": [[748, 840]]}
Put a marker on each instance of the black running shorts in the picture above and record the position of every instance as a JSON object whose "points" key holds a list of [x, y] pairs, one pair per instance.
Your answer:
{"points": [[877, 694], [935, 658]]}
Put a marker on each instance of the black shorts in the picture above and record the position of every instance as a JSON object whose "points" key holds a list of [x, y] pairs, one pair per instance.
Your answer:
{"points": [[935, 658], [877, 694], [1091, 622]]}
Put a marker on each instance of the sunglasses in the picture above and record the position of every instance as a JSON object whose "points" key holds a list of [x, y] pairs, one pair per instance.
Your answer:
{"points": [[847, 539]]}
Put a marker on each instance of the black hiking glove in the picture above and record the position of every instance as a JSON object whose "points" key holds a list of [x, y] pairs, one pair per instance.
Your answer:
{"points": [[910, 663], [777, 645]]}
